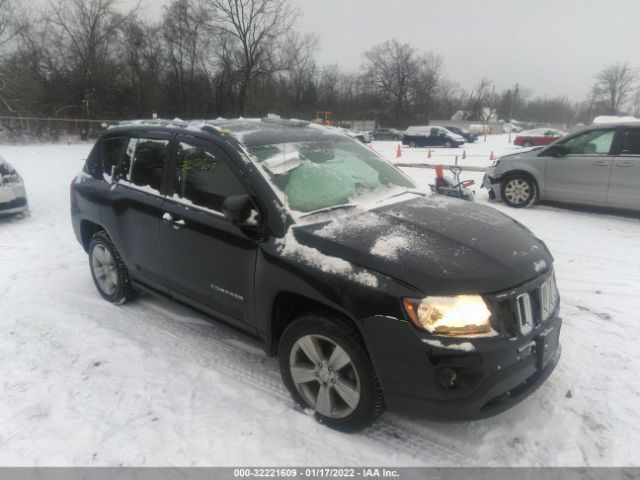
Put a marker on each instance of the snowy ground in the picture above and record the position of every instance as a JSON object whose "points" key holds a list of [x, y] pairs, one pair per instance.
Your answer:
{"points": [[152, 383]]}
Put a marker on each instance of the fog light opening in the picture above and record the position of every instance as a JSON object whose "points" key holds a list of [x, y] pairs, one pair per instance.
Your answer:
{"points": [[446, 377]]}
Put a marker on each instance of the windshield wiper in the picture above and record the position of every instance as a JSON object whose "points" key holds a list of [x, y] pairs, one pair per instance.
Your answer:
{"points": [[412, 192], [328, 209]]}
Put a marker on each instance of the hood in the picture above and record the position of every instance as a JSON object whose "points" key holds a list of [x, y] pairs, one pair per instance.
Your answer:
{"points": [[532, 152], [435, 244]]}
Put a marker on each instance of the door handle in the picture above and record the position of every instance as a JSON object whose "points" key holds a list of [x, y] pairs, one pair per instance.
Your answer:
{"points": [[176, 224], [624, 164], [601, 164]]}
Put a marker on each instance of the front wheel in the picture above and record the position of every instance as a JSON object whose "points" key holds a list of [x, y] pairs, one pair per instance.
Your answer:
{"points": [[519, 191], [527, 144], [326, 368], [108, 271]]}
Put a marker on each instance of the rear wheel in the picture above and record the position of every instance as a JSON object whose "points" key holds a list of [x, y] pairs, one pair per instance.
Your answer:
{"points": [[527, 144], [108, 271], [448, 144], [519, 191], [396, 138], [326, 368], [412, 144]]}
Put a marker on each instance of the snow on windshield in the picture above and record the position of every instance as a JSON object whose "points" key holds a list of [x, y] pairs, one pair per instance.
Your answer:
{"points": [[325, 173]]}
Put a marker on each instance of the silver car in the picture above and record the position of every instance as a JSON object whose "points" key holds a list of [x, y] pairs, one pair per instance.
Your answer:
{"points": [[13, 196], [597, 166]]}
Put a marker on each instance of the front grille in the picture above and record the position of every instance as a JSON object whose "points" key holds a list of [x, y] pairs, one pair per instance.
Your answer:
{"points": [[519, 311]]}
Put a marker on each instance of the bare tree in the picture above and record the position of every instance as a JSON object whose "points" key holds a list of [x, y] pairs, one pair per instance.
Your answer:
{"points": [[256, 26], [88, 30], [392, 74], [185, 29], [614, 84]]}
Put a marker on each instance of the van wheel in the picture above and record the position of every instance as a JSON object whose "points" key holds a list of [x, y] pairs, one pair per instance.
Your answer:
{"points": [[108, 271], [519, 191], [326, 368]]}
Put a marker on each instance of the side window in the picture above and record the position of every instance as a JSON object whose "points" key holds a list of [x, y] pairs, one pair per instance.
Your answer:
{"points": [[204, 178], [143, 162], [631, 142], [111, 152], [597, 142]]}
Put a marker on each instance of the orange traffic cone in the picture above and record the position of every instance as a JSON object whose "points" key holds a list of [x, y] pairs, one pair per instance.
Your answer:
{"points": [[69, 141], [491, 156], [429, 154], [399, 152]]}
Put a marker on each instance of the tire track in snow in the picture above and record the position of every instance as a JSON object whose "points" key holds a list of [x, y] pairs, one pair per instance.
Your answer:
{"points": [[218, 347]]}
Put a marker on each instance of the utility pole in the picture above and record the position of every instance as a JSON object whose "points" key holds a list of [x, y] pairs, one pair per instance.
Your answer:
{"points": [[513, 102]]}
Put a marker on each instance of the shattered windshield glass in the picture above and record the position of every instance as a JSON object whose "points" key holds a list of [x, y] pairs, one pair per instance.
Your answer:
{"points": [[319, 174]]}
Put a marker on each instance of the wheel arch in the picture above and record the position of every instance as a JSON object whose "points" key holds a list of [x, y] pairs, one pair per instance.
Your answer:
{"points": [[87, 230], [288, 305]]}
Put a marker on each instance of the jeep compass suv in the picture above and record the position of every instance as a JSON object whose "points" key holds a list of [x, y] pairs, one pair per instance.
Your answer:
{"points": [[373, 293]]}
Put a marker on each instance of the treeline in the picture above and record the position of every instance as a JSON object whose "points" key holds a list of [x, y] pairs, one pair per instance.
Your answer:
{"points": [[210, 58]]}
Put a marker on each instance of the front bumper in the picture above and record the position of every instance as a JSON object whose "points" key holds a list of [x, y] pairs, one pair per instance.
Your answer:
{"points": [[13, 199], [491, 374], [491, 182]]}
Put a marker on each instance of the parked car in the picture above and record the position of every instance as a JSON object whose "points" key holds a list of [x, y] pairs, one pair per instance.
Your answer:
{"points": [[364, 137], [466, 134], [431, 136], [538, 137], [288, 231], [13, 195], [597, 166], [387, 134]]}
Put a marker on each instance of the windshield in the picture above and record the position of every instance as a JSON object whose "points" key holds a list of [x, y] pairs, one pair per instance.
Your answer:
{"points": [[319, 174]]}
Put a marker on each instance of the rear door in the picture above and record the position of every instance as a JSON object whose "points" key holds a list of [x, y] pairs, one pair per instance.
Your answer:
{"points": [[582, 176], [133, 208], [624, 186], [209, 261]]}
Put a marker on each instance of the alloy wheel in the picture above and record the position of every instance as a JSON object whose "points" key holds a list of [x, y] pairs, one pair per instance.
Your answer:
{"points": [[517, 191], [325, 376], [104, 269]]}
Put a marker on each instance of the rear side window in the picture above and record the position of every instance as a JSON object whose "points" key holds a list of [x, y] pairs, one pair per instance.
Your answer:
{"points": [[631, 142], [111, 150], [204, 177], [143, 162]]}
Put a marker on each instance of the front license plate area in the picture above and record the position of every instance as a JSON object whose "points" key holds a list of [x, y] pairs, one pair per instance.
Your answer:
{"points": [[546, 346]]}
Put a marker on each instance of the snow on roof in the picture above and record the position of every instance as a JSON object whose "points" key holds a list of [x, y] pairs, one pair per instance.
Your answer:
{"points": [[614, 119]]}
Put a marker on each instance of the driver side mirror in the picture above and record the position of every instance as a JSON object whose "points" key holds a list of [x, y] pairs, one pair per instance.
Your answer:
{"points": [[240, 210], [558, 150]]}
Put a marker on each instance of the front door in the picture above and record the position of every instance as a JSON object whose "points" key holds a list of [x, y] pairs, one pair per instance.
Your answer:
{"points": [[582, 176], [208, 260], [624, 186]]}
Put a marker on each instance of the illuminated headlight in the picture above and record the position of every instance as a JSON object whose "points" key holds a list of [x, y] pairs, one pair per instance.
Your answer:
{"points": [[463, 315]]}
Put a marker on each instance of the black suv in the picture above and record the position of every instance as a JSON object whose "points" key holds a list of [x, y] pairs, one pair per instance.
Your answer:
{"points": [[373, 293]]}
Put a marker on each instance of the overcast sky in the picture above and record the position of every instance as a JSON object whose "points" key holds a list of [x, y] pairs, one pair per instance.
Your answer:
{"points": [[554, 47]]}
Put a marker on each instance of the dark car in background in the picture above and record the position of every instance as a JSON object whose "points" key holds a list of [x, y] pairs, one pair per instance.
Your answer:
{"points": [[431, 137], [289, 232], [466, 134], [387, 134]]}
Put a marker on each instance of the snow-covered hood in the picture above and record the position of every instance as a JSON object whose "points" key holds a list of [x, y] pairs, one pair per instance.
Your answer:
{"points": [[438, 245]]}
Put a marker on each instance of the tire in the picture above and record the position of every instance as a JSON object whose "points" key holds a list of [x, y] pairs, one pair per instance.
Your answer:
{"points": [[527, 144], [352, 392], [412, 144], [519, 191], [108, 271], [448, 144], [396, 138]]}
